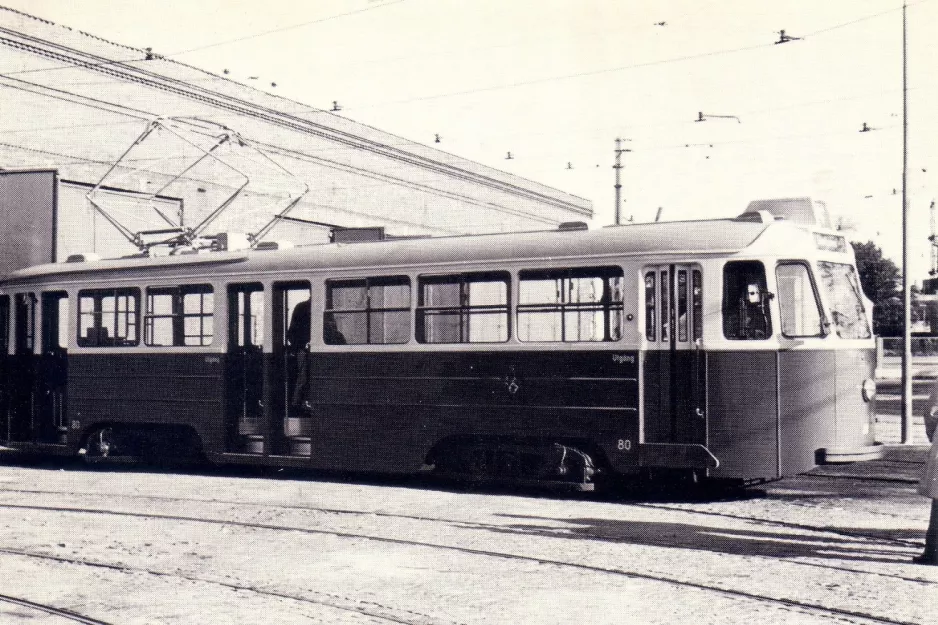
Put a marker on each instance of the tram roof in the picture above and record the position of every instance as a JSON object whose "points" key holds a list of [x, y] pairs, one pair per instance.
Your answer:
{"points": [[704, 237]]}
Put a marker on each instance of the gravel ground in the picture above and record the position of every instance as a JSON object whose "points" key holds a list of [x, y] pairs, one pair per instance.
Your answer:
{"points": [[129, 546]]}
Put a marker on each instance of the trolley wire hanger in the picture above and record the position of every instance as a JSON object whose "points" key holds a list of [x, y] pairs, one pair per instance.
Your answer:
{"points": [[178, 236]]}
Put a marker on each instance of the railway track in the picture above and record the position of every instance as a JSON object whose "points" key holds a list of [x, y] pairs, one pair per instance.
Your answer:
{"points": [[466, 523], [51, 610], [338, 602], [806, 607]]}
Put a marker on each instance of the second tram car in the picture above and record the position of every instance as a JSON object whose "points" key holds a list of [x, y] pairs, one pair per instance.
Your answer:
{"points": [[733, 348]]}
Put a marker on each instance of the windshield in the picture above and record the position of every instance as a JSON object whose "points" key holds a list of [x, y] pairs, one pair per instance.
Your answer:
{"points": [[839, 282]]}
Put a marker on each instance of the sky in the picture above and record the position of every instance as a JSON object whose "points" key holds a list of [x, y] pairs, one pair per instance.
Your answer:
{"points": [[556, 82]]}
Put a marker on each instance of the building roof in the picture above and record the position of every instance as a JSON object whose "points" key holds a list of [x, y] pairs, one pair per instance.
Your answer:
{"points": [[82, 101]]}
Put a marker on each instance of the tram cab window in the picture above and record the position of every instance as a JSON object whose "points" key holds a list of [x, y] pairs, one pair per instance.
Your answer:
{"points": [[746, 314], [179, 316], [372, 311], [797, 301], [108, 317], [570, 305], [840, 283], [463, 308]]}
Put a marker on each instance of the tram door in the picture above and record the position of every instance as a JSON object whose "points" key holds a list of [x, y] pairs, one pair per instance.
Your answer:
{"points": [[5, 370], [675, 365], [52, 370], [245, 369], [21, 371], [290, 380]]}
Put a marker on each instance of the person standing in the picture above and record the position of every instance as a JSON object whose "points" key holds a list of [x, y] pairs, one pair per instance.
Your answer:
{"points": [[928, 485]]}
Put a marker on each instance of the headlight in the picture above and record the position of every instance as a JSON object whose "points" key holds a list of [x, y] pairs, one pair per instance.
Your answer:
{"points": [[868, 389]]}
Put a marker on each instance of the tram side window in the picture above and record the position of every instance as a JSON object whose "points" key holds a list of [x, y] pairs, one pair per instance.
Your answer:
{"points": [[651, 320], [108, 317], [697, 292], [570, 305], [463, 308], [746, 313], [797, 301], [372, 311], [842, 287], [179, 316], [54, 321], [247, 325], [4, 324]]}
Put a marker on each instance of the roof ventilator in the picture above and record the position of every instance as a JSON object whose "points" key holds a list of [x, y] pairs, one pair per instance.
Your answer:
{"points": [[89, 257], [268, 246], [358, 235], [759, 217]]}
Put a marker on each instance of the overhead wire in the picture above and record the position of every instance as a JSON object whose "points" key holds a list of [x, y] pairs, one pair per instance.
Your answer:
{"points": [[151, 55], [83, 100], [285, 28], [644, 64]]}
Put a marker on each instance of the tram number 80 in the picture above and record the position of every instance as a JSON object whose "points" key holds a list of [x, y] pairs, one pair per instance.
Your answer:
{"points": [[624, 444]]}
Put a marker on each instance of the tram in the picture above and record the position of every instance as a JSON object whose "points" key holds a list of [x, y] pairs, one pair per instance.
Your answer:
{"points": [[730, 349]]}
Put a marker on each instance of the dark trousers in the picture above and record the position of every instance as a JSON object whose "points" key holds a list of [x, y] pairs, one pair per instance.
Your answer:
{"points": [[931, 534]]}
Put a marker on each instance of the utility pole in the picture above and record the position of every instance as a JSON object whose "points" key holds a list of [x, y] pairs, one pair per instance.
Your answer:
{"points": [[618, 167], [906, 424], [933, 271]]}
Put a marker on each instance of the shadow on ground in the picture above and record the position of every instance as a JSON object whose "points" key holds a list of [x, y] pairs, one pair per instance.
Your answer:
{"points": [[837, 543]]}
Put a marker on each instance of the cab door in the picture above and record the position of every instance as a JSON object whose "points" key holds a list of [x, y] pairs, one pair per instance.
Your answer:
{"points": [[52, 370], [21, 371], [290, 411], [675, 364], [5, 381], [245, 412]]}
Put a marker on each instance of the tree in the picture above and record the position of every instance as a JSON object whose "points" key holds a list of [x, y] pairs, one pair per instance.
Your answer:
{"points": [[879, 276], [880, 279]]}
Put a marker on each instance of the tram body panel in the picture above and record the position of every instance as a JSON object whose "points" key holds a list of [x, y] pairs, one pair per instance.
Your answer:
{"points": [[808, 408], [742, 413], [384, 412], [855, 415], [148, 389]]}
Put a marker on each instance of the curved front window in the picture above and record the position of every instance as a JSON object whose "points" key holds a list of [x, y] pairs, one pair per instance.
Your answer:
{"points": [[839, 283]]}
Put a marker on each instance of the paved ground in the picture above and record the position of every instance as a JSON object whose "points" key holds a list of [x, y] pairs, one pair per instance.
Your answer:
{"points": [[128, 546]]}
